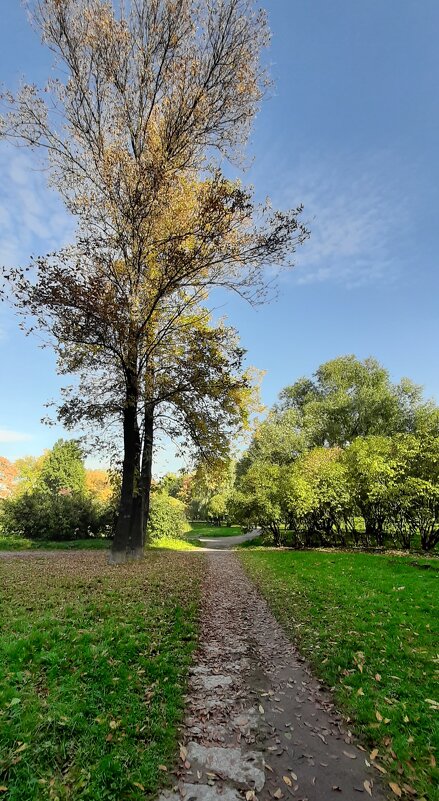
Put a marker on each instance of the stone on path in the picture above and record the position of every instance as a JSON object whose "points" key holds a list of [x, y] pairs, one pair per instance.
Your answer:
{"points": [[211, 682], [245, 769], [202, 792]]}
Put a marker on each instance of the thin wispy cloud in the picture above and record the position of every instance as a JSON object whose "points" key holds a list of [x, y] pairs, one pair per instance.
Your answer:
{"points": [[6, 435], [32, 218], [356, 220]]}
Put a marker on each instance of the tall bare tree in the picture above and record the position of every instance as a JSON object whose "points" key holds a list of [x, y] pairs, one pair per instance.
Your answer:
{"points": [[149, 98]]}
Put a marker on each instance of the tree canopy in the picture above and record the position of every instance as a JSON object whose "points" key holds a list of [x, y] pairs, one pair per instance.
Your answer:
{"points": [[348, 398]]}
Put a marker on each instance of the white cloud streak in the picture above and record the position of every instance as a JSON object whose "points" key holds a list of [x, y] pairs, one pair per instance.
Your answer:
{"points": [[356, 218], [32, 217], [13, 436]]}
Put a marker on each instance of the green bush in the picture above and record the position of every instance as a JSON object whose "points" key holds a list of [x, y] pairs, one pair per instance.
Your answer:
{"points": [[43, 515], [167, 517]]}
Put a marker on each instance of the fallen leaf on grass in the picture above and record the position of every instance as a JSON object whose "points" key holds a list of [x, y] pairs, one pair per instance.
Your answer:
{"points": [[377, 677], [368, 787], [3, 788], [374, 754], [378, 716], [140, 786], [379, 767], [395, 788], [164, 768], [433, 761]]}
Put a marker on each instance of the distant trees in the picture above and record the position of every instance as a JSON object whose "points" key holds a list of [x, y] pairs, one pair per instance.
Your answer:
{"points": [[205, 491], [345, 458], [8, 475]]}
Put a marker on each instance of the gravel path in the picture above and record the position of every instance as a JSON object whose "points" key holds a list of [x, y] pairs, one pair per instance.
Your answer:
{"points": [[258, 725]]}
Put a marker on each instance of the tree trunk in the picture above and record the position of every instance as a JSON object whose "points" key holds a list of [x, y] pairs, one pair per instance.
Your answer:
{"points": [[141, 501], [128, 539]]}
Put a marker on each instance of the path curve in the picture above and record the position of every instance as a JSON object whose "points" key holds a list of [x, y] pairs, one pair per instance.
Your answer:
{"points": [[226, 543]]}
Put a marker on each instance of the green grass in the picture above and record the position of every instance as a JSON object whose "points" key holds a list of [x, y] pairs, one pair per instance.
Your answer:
{"points": [[174, 544], [93, 664], [204, 530], [11, 543], [369, 624]]}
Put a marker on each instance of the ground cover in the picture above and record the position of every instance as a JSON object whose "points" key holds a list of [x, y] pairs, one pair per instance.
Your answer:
{"points": [[93, 670], [369, 624]]}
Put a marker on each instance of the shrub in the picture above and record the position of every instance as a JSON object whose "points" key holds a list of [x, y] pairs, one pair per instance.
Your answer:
{"points": [[167, 517], [43, 515]]}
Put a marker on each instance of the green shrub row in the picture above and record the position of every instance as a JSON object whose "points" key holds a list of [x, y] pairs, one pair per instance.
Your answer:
{"points": [[377, 491]]}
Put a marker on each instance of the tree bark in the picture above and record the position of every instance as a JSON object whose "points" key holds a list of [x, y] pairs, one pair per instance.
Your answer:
{"points": [[128, 540], [147, 465], [141, 499]]}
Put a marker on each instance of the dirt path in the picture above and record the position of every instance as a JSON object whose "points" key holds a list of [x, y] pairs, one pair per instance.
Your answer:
{"points": [[258, 724], [225, 543]]}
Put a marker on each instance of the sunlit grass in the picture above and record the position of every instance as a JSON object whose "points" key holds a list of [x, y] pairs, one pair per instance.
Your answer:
{"points": [[205, 530], [12, 543], [369, 625], [93, 670]]}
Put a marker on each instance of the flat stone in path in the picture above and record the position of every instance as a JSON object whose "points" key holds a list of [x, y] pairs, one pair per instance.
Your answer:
{"points": [[243, 768], [258, 724], [203, 792]]}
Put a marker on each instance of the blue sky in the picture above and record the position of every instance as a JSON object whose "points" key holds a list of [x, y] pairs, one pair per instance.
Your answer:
{"points": [[351, 131]]}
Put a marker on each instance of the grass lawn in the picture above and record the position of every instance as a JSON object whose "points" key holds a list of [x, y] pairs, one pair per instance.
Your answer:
{"points": [[22, 544], [369, 624], [204, 530], [11, 543], [93, 663], [174, 544]]}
